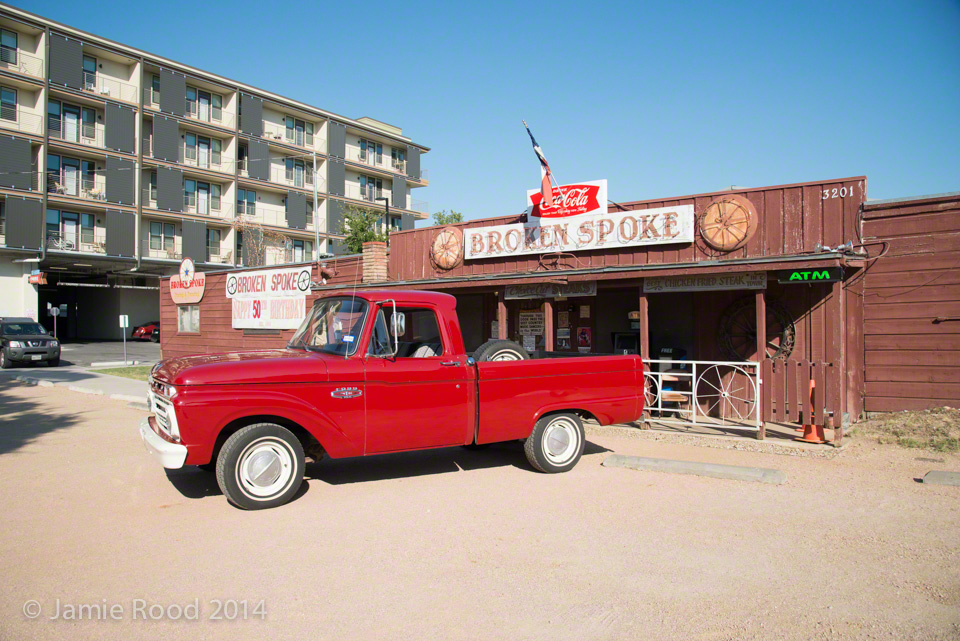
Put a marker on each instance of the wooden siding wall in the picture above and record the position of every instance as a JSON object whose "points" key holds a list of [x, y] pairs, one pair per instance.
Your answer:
{"points": [[216, 333], [792, 219], [912, 360]]}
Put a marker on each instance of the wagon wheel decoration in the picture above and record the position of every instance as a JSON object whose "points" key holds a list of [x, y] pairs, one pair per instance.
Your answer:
{"points": [[728, 223], [727, 392], [737, 334], [651, 392], [446, 252]]}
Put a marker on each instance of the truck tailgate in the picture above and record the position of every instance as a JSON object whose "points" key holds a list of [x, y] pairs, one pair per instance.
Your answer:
{"points": [[514, 394]]}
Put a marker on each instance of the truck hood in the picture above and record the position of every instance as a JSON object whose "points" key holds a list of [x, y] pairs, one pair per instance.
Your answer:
{"points": [[238, 368]]}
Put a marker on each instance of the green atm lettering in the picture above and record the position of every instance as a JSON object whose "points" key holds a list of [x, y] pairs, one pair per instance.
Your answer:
{"points": [[824, 275]]}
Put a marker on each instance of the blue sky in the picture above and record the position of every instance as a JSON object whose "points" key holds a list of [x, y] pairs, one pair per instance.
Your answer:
{"points": [[662, 100]]}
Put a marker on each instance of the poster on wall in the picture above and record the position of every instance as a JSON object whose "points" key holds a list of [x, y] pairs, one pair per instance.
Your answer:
{"points": [[563, 332], [563, 320], [269, 298], [531, 323], [494, 329], [584, 311], [530, 343], [584, 340]]}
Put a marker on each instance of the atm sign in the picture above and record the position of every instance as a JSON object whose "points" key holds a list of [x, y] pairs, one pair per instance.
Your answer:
{"points": [[826, 275]]}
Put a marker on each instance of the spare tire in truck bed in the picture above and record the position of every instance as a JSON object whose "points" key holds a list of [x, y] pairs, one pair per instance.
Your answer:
{"points": [[498, 350]]}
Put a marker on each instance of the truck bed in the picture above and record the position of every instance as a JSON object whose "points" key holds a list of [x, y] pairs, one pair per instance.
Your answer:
{"points": [[513, 395]]}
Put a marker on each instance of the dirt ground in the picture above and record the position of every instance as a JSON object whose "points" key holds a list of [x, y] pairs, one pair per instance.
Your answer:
{"points": [[457, 544]]}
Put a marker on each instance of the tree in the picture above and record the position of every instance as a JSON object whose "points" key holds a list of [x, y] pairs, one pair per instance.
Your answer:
{"points": [[361, 225], [447, 217], [256, 240]]}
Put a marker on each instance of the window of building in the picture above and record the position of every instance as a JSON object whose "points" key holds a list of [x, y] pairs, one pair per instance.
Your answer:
{"points": [[188, 319], [302, 250], [53, 224], [371, 152], [217, 106], [309, 212], [155, 89], [371, 188], [67, 230], [89, 125], [239, 247], [215, 197], [246, 202], [8, 46], [242, 156], [163, 237], [8, 104], [190, 189], [298, 172], [395, 223], [54, 122], [87, 229], [397, 157], [213, 243], [191, 147], [216, 147], [153, 185], [3, 218], [299, 132], [89, 73]]}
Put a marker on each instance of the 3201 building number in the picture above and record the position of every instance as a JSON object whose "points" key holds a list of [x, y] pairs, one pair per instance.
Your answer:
{"points": [[841, 192]]}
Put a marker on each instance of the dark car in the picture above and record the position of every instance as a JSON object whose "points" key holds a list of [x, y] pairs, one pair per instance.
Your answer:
{"points": [[148, 331], [24, 340]]}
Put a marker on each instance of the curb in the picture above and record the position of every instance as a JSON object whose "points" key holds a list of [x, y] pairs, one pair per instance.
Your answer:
{"points": [[129, 363], [713, 470], [133, 401], [939, 477]]}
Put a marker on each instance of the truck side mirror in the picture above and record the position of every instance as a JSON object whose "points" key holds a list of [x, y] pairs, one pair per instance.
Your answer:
{"points": [[398, 324]]}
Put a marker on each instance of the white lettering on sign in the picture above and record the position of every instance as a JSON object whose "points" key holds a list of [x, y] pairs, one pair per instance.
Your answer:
{"points": [[549, 290], [531, 323], [604, 231], [757, 280]]}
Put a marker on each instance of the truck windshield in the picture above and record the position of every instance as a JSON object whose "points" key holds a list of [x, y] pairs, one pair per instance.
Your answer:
{"points": [[333, 326], [23, 329]]}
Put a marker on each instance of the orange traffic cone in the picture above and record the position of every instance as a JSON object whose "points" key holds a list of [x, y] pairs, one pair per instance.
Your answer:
{"points": [[813, 385], [812, 433]]}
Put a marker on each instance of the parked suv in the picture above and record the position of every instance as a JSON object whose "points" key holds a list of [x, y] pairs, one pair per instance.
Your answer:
{"points": [[24, 340]]}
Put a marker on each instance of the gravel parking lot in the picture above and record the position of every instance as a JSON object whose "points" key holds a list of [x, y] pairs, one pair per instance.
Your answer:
{"points": [[457, 544]]}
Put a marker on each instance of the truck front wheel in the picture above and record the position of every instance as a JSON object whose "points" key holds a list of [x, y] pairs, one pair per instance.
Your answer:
{"points": [[260, 466], [556, 443]]}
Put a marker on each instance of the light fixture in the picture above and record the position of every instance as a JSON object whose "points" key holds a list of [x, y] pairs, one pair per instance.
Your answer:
{"points": [[82, 265], [58, 268]]}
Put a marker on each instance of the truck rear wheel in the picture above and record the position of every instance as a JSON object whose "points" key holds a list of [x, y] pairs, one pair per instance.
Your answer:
{"points": [[260, 466], [498, 350], [556, 443]]}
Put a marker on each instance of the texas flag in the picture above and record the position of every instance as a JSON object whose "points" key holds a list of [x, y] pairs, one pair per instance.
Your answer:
{"points": [[546, 189]]}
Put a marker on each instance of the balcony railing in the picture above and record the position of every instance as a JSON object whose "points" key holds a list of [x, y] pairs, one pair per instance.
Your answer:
{"points": [[86, 241], [207, 113], [367, 193], [16, 118], [275, 215], [21, 62], [91, 135], [89, 186], [111, 87], [194, 204], [419, 205], [162, 247], [217, 256], [274, 131], [293, 178], [202, 159]]}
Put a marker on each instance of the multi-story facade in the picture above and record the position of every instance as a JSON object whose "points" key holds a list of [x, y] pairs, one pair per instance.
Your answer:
{"points": [[115, 161]]}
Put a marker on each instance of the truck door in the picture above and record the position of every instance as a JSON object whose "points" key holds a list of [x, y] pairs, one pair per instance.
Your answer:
{"points": [[422, 397]]}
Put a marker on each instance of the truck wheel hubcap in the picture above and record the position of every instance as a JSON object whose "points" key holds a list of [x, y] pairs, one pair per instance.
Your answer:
{"points": [[505, 355], [265, 468], [561, 440]]}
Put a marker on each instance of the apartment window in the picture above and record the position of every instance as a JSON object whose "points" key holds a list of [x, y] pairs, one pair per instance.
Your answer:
{"points": [[53, 224], [215, 197], [371, 152], [216, 153], [309, 212], [67, 229], [239, 247], [298, 172], [89, 123], [153, 185], [188, 319], [163, 237], [2, 218], [395, 223], [191, 153], [371, 188], [155, 89], [89, 175], [86, 229], [190, 189], [213, 242], [242, 157], [53, 173], [8, 46], [246, 202], [54, 119], [89, 73], [302, 250], [397, 156], [299, 132], [217, 106], [8, 104]]}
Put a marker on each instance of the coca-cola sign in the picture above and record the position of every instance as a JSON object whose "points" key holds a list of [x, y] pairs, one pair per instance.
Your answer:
{"points": [[582, 199]]}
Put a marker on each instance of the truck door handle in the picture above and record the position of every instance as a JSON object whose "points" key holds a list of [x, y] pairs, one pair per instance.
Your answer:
{"points": [[450, 363]]}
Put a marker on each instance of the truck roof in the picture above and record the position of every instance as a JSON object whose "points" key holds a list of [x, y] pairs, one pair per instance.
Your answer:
{"points": [[400, 295]]}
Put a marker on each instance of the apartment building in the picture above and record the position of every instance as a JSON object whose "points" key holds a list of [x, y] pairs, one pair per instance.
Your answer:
{"points": [[116, 163]]}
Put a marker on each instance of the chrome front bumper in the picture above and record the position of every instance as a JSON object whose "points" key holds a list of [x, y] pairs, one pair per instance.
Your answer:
{"points": [[170, 455]]}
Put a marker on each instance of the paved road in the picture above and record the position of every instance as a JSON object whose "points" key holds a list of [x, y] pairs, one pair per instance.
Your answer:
{"points": [[76, 379], [85, 353], [456, 544]]}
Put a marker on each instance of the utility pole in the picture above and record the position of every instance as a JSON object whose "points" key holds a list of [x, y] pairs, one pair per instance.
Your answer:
{"points": [[386, 201], [316, 212]]}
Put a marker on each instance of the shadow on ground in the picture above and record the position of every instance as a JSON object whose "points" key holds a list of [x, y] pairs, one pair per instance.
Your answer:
{"points": [[194, 483], [23, 420]]}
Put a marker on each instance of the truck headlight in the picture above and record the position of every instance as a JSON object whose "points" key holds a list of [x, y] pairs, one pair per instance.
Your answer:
{"points": [[14, 344], [54, 344]]}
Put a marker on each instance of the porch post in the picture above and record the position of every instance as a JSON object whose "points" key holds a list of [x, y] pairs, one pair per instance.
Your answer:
{"points": [[548, 325], [501, 315], [763, 387], [644, 325]]}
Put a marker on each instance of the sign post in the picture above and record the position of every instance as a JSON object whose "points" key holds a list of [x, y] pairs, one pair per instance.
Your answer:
{"points": [[124, 323], [54, 311]]}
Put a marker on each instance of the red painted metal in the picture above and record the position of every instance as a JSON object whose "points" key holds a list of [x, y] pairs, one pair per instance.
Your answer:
{"points": [[403, 403]]}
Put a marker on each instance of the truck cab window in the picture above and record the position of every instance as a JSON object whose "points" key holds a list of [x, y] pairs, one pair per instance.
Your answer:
{"points": [[422, 336]]}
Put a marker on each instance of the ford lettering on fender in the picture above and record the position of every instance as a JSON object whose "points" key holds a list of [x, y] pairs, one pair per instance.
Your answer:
{"points": [[375, 372]]}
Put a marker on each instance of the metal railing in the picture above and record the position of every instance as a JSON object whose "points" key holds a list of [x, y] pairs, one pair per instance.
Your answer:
{"points": [[89, 186], [293, 178], [275, 215], [151, 96], [91, 135], [16, 118], [193, 204], [419, 205], [399, 166], [21, 62], [163, 248], [85, 241], [279, 132], [104, 86], [201, 159], [217, 256], [367, 193], [714, 393]]}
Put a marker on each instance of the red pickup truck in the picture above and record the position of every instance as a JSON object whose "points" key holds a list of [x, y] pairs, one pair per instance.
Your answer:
{"points": [[370, 373]]}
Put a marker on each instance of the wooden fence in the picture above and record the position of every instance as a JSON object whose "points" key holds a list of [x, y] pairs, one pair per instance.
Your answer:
{"points": [[786, 392]]}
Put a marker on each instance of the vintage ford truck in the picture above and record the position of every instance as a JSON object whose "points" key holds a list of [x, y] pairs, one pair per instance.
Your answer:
{"points": [[370, 373]]}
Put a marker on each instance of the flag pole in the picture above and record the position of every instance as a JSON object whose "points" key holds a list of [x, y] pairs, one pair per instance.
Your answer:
{"points": [[555, 180]]}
